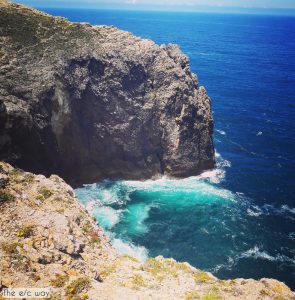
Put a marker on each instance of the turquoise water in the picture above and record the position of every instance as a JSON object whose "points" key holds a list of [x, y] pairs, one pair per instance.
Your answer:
{"points": [[239, 219]]}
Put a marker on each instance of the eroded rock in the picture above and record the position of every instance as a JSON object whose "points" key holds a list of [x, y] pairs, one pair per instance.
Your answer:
{"points": [[90, 102]]}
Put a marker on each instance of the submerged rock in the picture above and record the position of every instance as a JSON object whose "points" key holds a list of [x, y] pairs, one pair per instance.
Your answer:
{"points": [[90, 102], [49, 240]]}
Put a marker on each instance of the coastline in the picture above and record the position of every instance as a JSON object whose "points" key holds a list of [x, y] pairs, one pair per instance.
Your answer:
{"points": [[51, 241]]}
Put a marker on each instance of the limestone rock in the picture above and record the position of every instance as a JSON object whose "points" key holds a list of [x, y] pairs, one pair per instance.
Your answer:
{"points": [[51, 241], [90, 102]]}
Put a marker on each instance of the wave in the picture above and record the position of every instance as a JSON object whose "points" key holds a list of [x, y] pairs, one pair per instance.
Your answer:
{"points": [[254, 211], [253, 253], [105, 215], [222, 132], [123, 207], [127, 248], [256, 253]]}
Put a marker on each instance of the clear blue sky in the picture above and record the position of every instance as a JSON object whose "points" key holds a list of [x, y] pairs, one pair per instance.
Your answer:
{"points": [[165, 4]]}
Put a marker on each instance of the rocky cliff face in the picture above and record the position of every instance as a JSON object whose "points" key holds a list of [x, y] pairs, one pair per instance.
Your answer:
{"points": [[88, 102], [49, 240]]}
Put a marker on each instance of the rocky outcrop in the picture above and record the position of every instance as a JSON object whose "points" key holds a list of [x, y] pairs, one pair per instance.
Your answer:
{"points": [[49, 240], [89, 102]]}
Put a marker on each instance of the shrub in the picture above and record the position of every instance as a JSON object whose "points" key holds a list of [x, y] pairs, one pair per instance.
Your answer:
{"points": [[138, 281], [9, 248], [77, 286], [45, 192], [29, 178], [5, 195], [16, 259], [87, 228], [211, 296], [59, 280], [25, 232], [202, 277]]}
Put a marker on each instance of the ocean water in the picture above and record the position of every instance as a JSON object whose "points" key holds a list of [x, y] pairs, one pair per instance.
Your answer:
{"points": [[239, 219]]}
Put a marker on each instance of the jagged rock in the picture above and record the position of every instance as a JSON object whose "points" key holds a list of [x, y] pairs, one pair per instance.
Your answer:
{"points": [[90, 102], [59, 249]]}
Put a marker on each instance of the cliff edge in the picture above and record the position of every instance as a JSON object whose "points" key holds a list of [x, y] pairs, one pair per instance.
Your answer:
{"points": [[49, 240], [90, 102]]}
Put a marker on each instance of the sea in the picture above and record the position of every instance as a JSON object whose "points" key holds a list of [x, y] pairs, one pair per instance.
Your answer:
{"points": [[237, 220]]}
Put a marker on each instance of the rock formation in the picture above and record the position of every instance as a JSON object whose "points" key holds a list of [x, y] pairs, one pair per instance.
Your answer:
{"points": [[90, 102], [49, 240]]}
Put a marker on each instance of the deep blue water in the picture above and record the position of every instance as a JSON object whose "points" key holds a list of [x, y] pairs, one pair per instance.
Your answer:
{"points": [[238, 220]]}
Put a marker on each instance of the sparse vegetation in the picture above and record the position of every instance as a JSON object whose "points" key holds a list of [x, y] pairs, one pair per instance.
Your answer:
{"points": [[111, 268], [138, 281], [157, 267], [35, 277], [45, 192], [17, 261], [9, 248], [87, 228], [29, 178], [40, 197], [211, 296], [193, 295], [265, 292], [59, 280], [81, 284], [16, 172], [131, 258], [94, 239], [202, 277], [26, 231], [5, 195]]}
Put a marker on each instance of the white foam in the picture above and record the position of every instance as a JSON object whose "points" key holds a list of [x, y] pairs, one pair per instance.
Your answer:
{"points": [[254, 211], [259, 133], [283, 210], [127, 248], [222, 132], [256, 253], [288, 209], [214, 176]]}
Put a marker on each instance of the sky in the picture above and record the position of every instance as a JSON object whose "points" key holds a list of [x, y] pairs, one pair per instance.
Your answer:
{"points": [[190, 5]]}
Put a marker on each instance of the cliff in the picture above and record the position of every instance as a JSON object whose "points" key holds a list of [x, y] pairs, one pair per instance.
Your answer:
{"points": [[90, 102], [49, 240]]}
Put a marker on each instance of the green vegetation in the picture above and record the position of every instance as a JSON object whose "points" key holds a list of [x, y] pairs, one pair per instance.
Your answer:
{"points": [[157, 267], [45, 192], [5, 195], [16, 172], [111, 268], [193, 295], [211, 296], [25, 232], [87, 228], [137, 281], [59, 280], [131, 258], [9, 248], [16, 259], [202, 277], [29, 178], [40, 197], [79, 285]]}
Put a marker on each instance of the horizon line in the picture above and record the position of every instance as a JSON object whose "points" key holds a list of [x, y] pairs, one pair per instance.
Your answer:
{"points": [[197, 9]]}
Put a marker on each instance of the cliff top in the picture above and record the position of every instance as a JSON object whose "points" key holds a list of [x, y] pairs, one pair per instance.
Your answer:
{"points": [[49, 240]]}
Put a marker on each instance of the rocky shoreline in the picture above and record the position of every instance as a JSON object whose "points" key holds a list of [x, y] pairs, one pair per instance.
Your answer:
{"points": [[86, 103], [49, 240]]}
